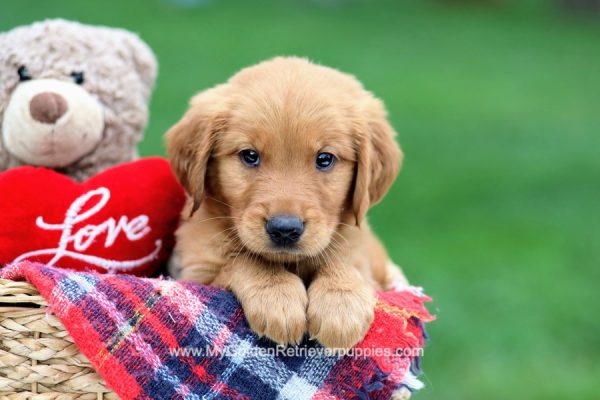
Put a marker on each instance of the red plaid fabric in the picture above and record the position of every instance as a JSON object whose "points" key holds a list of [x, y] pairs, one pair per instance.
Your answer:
{"points": [[161, 339]]}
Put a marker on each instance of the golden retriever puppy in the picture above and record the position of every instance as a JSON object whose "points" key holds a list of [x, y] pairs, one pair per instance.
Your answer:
{"points": [[281, 164]]}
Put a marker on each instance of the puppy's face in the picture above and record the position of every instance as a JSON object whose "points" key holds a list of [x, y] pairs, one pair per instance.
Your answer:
{"points": [[287, 178], [291, 150]]}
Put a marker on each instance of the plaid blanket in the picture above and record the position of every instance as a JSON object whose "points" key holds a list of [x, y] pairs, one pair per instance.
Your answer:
{"points": [[161, 339]]}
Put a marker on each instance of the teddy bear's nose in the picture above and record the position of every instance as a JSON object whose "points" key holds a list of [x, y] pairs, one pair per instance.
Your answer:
{"points": [[47, 107]]}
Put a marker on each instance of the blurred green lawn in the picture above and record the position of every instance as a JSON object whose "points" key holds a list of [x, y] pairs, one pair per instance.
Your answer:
{"points": [[496, 212]]}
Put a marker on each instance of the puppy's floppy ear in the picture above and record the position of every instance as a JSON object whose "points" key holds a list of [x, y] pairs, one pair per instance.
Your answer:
{"points": [[379, 158], [191, 140]]}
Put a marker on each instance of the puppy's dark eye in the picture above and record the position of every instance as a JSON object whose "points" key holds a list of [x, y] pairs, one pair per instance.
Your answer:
{"points": [[325, 161], [24, 74], [250, 158], [78, 77]]}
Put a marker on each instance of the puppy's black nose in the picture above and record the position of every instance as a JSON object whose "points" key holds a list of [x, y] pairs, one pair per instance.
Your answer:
{"points": [[284, 230]]}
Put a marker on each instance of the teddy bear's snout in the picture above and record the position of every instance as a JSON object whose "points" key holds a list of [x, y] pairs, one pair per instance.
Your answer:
{"points": [[51, 123], [47, 107]]}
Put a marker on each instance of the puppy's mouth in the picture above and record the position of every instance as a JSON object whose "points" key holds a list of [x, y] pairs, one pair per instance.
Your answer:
{"points": [[276, 255], [291, 250], [285, 253], [289, 253]]}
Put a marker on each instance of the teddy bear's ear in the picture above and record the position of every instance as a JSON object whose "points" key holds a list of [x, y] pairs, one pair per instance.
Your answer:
{"points": [[143, 59]]}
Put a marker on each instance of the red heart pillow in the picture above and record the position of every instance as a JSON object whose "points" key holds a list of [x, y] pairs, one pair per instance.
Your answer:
{"points": [[121, 220]]}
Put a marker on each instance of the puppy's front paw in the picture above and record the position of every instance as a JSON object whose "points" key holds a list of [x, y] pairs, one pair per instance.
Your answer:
{"points": [[339, 318], [278, 312]]}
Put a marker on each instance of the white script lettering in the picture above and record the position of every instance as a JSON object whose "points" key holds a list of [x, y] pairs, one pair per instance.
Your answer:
{"points": [[79, 240]]}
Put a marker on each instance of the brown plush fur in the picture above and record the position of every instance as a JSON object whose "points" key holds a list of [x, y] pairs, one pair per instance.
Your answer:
{"points": [[288, 110], [120, 70]]}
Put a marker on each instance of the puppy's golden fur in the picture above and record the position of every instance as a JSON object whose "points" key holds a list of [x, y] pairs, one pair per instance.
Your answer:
{"points": [[287, 110]]}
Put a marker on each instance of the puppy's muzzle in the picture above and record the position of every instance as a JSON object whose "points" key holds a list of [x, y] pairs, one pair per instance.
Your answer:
{"points": [[284, 230]]}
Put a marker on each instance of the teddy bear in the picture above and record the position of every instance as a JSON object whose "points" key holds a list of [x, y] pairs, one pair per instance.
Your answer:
{"points": [[73, 97], [73, 106]]}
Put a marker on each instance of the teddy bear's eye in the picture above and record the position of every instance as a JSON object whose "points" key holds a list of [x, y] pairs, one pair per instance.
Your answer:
{"points": [[78, 77], [24, 74]]}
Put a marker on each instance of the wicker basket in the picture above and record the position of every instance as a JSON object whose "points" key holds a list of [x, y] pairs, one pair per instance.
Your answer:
{"points": [[38, 359]]}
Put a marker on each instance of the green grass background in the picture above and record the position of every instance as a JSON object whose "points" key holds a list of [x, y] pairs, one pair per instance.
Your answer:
{"points": [[496, 212]]}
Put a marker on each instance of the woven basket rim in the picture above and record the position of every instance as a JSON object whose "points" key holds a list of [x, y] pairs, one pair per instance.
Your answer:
{"points": [[13, 292]]}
